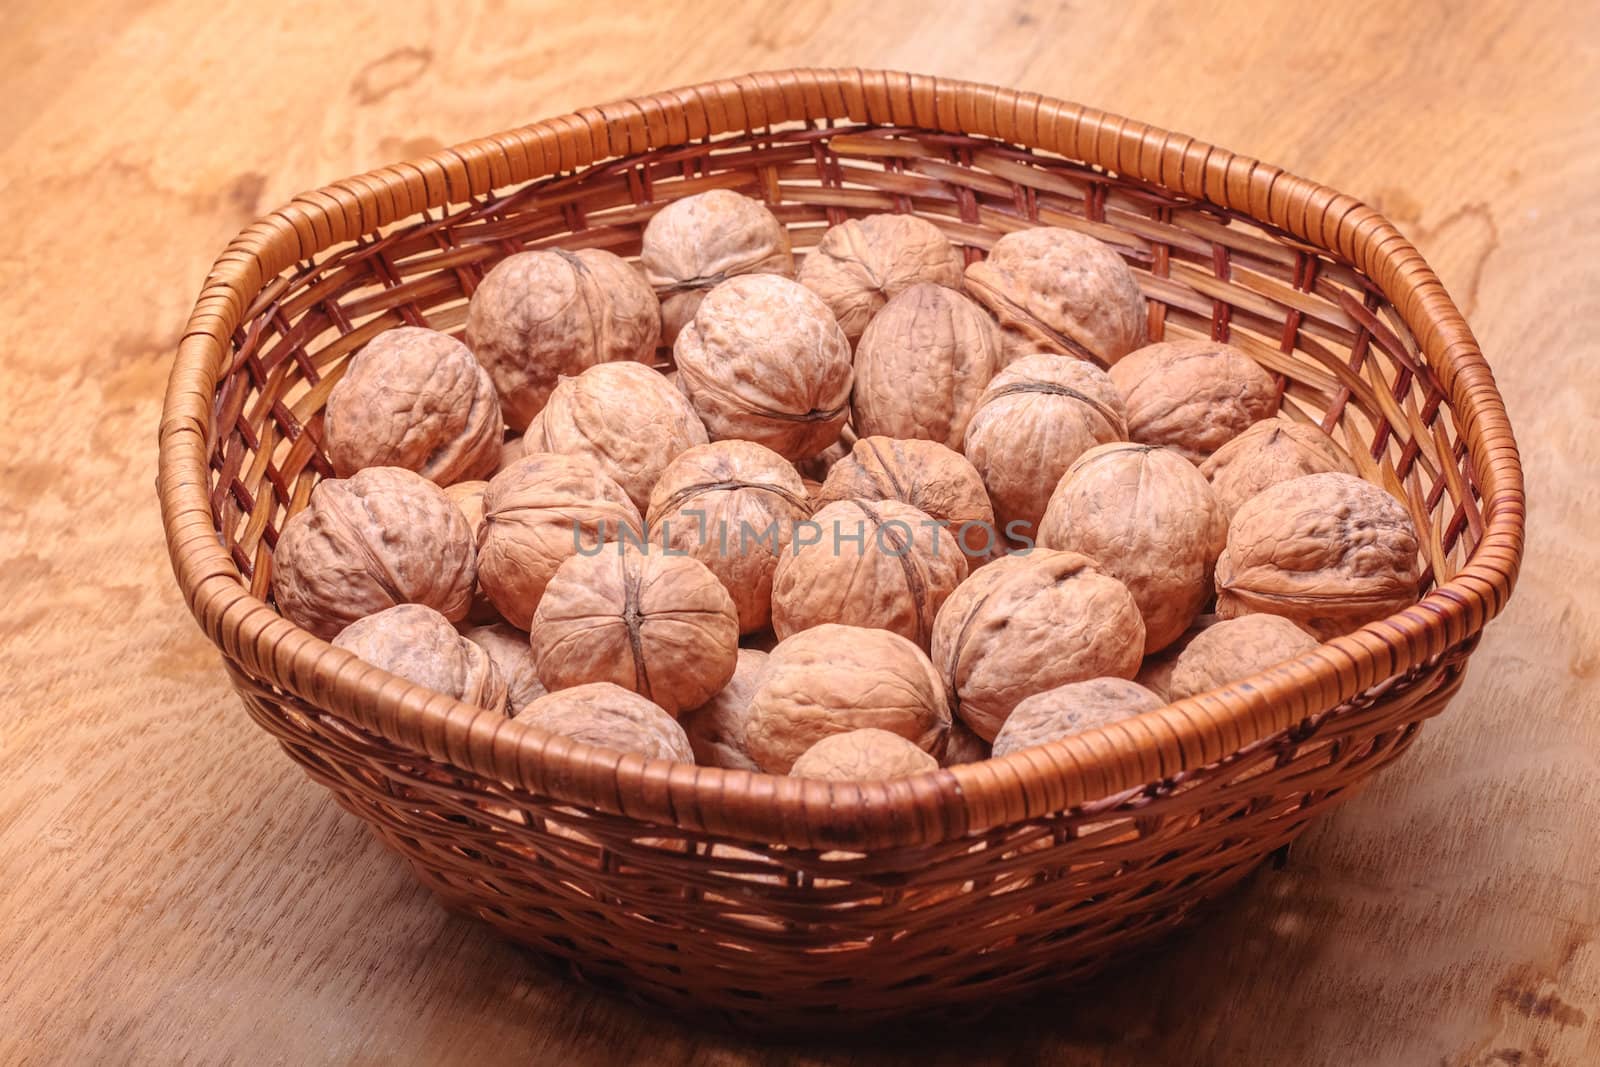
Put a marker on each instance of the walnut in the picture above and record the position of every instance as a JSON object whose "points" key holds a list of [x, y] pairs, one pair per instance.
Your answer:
{"points": [[867, 563], [539, 315], [716, 728], [694, 244], [383, 536], [833, 678], [1034, 419], [514, 448], [1233, 649], [861, 755], [609, 716], [921, 366], [624, 416], [469, 498], [964, 746], [817, 467], [538, 512], [513, 657], [420, 645], [1194, 396], [924, 474], [1072, 709], [764, 360], [1271, 451], [416, 399], [1148, 518], [1155, 674], [734, 506], [1061, 291], [1030, 622], [861, 264], [661, 625], [1329, 552]]}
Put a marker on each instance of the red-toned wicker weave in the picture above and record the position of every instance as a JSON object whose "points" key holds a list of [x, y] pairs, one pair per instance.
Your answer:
{"points": [[765, 900]]}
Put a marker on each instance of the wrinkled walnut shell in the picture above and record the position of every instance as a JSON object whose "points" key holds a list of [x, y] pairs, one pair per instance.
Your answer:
{"points": [[1030, 622], [1034, 419], [539, 315], [763, 360], [922, 365], [716, 728], [862, 755], [537, 513], [383, 536], [658, 624], [1193, 396], [420, 645], [1060, 291], [1148, 518], [626, 417], [1329, 552], [873, 563], [831, 679], [1271, 451], [734, 506], [1155, 674], [1072, 709], [694, 244], [513, 657], [861, 264], [469, 498], [1233, 649], [609, 716], [416, 399], [924, 474]]}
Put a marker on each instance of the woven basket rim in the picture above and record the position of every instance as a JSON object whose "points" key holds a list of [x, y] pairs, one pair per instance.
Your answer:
{"points": [[935, 805]]}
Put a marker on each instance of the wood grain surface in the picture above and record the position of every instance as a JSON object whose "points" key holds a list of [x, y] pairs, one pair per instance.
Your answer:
{"points": [[172, 889]]}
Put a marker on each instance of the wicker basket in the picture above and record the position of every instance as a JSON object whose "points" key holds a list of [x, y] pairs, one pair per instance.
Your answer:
{"points": [[772, 901]]}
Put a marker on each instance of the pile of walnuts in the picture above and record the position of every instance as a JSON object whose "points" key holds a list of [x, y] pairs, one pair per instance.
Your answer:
{"points": [[890, 506]]}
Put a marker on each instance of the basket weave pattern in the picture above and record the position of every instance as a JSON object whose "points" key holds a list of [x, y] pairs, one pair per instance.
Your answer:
{"points": [[772, 900]]}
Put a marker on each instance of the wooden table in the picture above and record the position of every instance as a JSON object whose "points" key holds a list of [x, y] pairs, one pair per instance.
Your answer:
{"points": [[170, 887]]}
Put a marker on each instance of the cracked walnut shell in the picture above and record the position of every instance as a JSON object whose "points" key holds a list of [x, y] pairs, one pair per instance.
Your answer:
{"points": [[862, 755], [1148, 518], [609, 716], [383, 536], [416, 399], [716, 728], [1072, 709], [1194, 396], [763, 360], [922, 365], [420, 645], [861, 264], [658, 624], [1061, 291], [831, 679], [1329, 552], [1233, 649], [1027, 623], [1271, 451], [539, 315], [695, 244], [924, 474]]}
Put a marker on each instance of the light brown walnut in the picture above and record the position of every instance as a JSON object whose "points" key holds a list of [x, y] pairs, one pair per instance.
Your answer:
{"points": [[832, 679], [1060, 291], [538, 512], [658, 624], [416, 399], [469, 498], [1271, 451], [1233, 649], [922, 365], [863, 755], [763, 360], [1194, 396], [695, 244], [861, 264], [420, 645], [1155, 673], [1148, 518], [609, 716], [383, 536], [964, 746], [539, 315], [1030, 622], [817, 467], [1034, 419], [926, 475], [1329, 552], [513, 657], [626, 417], [734, 506], [1072, 709], [716, 728], [514, 448], [867, 563]]}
